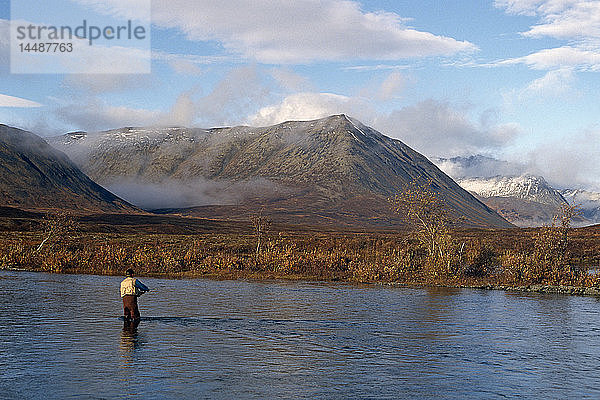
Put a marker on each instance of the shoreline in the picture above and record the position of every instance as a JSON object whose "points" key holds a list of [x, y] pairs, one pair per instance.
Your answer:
{"points": [[261, 276]]}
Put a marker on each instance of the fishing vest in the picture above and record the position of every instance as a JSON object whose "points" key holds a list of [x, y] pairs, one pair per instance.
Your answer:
{"points": [[128, 287]]}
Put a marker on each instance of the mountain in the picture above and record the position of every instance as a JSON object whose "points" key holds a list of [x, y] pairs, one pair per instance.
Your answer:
{"points": [[524, 200], [331, 171], [525, 187], [587, 201], [33, 175]]}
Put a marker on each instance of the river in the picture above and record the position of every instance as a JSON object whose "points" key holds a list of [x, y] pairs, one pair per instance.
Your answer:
{"points": [[60, 337]]}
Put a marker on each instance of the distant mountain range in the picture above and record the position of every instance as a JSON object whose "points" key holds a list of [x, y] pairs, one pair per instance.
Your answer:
{"points": [[34, 175], [332, 171], [523, 199]]}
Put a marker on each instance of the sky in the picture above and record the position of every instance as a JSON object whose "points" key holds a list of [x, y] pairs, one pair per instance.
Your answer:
{"points": [[515, 80]]}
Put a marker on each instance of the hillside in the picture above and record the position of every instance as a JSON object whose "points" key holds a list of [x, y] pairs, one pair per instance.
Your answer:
{"points": [[33, 175]]}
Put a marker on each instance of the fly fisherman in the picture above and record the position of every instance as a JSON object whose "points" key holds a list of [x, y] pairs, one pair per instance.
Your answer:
{"points": [[131, 289]]}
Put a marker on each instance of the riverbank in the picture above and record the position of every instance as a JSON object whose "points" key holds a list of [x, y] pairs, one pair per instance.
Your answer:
{"points": [[261, 276], [488, 259]]}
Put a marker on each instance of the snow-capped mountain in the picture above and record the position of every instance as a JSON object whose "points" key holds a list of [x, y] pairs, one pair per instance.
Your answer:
{"points": [[525, 200], [589, 203], [525, 187], [522, 197]]}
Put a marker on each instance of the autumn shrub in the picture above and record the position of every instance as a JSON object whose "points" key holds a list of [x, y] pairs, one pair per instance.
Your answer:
{"points": [[547, 261], [15, 255], [479, 260]]}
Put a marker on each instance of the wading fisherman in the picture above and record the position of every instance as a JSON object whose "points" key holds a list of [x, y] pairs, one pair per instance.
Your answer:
{"points": [[131, 289]]}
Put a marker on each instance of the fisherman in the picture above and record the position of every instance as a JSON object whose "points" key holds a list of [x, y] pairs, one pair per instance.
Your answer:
{"points": [[131, 289]]}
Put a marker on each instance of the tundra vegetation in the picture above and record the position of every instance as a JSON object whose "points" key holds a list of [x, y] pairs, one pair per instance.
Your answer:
{"points": [[430, 250]]}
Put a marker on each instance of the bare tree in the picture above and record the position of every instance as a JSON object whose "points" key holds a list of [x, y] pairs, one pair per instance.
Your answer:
{"points": [[261, 225], [56, 226]]}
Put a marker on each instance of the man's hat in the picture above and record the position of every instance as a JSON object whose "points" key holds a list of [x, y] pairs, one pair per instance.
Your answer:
{"points": [[129, 272]]}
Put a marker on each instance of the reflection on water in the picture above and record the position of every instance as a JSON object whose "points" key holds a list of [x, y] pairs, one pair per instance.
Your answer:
{"points": [[60, 336], [129, 336]]}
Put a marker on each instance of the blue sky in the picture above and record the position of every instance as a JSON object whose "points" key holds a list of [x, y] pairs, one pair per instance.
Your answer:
{"points": [[513, 79]]}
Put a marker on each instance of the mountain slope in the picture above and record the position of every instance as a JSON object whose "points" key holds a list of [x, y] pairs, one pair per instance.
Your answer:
{"points": [[35, 175], [332, 170]]}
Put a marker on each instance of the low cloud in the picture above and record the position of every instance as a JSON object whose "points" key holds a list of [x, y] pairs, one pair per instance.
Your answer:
{"points": [[479, 166], [172, 193], [565, 164], [432, 127], [95, 115]]}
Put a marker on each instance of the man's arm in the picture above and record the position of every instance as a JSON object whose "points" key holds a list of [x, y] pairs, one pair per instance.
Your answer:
{"points": [[141, 286]]}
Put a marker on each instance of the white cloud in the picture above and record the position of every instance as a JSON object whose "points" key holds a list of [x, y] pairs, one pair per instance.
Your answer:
{"points": [[309, 105], [577, 21], [95, 115], [554, 84], [560, 57], [240, 93], [295, 31], [290, 80], [11, 101], [130, 9], [562, 19], [237, 95], [378, 67]]}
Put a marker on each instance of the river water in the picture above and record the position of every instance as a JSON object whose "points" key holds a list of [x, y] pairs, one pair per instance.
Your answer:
{"points": [[60, 337]]}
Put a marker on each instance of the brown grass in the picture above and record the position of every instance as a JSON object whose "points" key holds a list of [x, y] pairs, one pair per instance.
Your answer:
{"points": [[471, 257]]}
